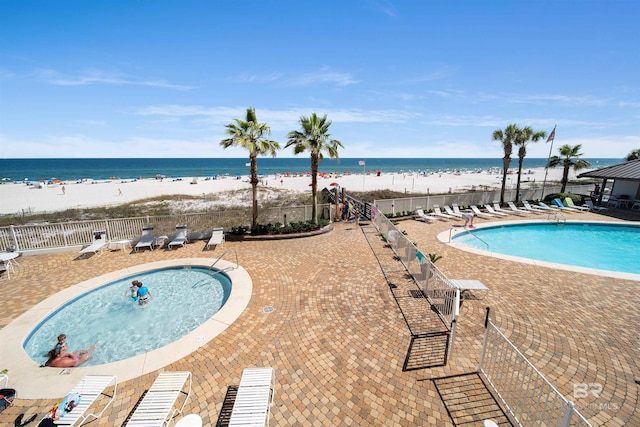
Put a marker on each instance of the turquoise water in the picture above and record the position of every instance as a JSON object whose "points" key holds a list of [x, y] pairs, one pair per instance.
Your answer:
{"points": [[72, 169], [603, 247], [184, 298]]}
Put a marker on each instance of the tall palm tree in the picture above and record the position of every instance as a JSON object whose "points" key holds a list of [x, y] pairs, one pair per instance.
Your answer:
{"points": [[569, 156], [506, 137], [523, 137], [250, 134], [314, 137], [633, 155]]}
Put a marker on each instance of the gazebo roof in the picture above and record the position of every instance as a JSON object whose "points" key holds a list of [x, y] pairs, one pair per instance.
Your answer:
{"points": [[627, 170]]}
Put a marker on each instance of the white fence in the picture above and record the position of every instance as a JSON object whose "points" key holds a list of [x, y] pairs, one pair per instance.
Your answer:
{"points": [[410, 204], [441, 292], [529, 397], [59, 235]]}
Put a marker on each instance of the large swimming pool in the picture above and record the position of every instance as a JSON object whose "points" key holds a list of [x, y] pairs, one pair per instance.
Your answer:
{"points": [[612, 247], [107, 317]]}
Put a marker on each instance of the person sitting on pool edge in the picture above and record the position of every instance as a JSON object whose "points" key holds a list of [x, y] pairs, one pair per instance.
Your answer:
{"points": [[59, 358], [144, 294], [468, 219]]}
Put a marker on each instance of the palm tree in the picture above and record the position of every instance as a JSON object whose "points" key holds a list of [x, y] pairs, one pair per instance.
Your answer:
{"points": [[524, 136], [569, 156], [314, 137], [250, 134], [633, 155], [506, 137]]}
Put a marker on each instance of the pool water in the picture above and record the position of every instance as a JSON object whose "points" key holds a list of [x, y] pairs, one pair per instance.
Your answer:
{"points": [[183, 299], [591, 245]]}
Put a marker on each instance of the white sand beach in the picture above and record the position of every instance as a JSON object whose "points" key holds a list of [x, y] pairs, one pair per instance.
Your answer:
{"points": [[19, 197]]}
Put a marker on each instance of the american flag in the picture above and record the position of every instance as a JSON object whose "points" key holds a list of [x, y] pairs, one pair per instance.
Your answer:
{"points": [[361, 163], [552, 135]]}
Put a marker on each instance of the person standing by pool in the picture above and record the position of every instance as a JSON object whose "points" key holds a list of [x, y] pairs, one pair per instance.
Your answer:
{"points": [[144, 294], [468, 219]]}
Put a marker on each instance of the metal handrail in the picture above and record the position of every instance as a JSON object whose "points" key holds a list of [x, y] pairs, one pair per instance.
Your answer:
{"points": [[221, 256], [557, 216], [470, 232]]}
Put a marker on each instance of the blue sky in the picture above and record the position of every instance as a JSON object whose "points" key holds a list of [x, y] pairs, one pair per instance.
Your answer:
{"points": [[397, 78]]}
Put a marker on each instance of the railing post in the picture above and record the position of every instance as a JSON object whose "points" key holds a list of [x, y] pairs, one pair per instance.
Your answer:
{"points": [[64, 236], [485, 339], [567, 415], [14, 238]]}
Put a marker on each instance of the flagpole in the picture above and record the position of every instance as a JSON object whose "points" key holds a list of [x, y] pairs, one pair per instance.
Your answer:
{"points": [[552, 137]]}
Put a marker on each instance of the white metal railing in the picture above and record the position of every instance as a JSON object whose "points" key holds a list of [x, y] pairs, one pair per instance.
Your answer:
{"points": [[443, 295], [59, 235], [529, 397]]}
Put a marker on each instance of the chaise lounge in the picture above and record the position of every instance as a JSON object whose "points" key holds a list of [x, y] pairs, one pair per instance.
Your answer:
{"points": [[217, 238], [147, 238], [181, 237], [98, 244], [157, 407]]}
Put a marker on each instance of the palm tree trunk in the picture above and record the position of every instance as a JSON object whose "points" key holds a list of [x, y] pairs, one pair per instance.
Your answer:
{"points": [[254, 190], [565, 178], [505, 168], [314, 186], [520, 161]]}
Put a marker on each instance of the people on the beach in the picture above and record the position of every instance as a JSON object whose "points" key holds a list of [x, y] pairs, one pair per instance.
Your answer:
{"points": [[64, 190], [144, 294]]}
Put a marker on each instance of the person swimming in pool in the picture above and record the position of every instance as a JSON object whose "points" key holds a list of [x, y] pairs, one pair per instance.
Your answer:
{"points": [[133, 291], [144, 294], [58, 357]]}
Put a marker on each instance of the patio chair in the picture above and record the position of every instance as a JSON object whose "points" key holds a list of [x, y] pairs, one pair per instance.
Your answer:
{"points": [[589, 203], [516, 210], [533, 209], [98, 244], [437, 212], [498, 208], [254, 398], [558, 203], [157, 407], [83, 395], [494, 212], [568, 201], [147, 238], [448, 210], [481, 214], [217, 238], [548, 208], [181, 237]]}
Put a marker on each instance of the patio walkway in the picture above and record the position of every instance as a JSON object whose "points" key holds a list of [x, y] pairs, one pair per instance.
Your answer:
{"points": [[337, 339]]}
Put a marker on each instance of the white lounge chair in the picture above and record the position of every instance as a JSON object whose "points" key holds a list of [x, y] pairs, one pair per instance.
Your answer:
{"points": [[157, 407], [448, 210], [217, 238], [533, 209], [498, 208], [89, 389], [589, 203], [481, 214], [147, 238], [517, 210], [493, 212], [181, 236], [254, 398], [98, 244], [439, 213]]}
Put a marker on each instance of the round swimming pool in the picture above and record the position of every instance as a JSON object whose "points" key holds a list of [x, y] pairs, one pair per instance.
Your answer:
{"points": [[107, 317], [601, 246]]}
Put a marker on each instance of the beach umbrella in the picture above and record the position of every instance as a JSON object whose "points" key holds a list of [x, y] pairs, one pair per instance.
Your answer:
{"points": [[333, 184]]}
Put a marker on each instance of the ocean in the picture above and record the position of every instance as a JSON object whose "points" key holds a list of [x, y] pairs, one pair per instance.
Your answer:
{"points": [[76, 169]]}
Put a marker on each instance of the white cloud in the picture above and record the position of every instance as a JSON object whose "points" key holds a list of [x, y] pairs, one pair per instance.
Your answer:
{"points": [[323, 75], [94, 77]]}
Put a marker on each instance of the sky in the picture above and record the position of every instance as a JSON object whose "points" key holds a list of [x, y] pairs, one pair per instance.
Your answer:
{"points": [[421, 79]]}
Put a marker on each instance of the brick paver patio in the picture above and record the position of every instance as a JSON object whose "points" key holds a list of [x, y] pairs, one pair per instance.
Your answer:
{"points": [[337, 340]]}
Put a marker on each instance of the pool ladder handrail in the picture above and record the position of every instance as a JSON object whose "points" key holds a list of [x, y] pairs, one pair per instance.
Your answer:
{"points": [[221, 256], [557, 217], [470, 232]]}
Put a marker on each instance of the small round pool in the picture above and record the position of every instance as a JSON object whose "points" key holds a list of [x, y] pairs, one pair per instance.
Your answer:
{"points": [[107, 317], [600, 246]]}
